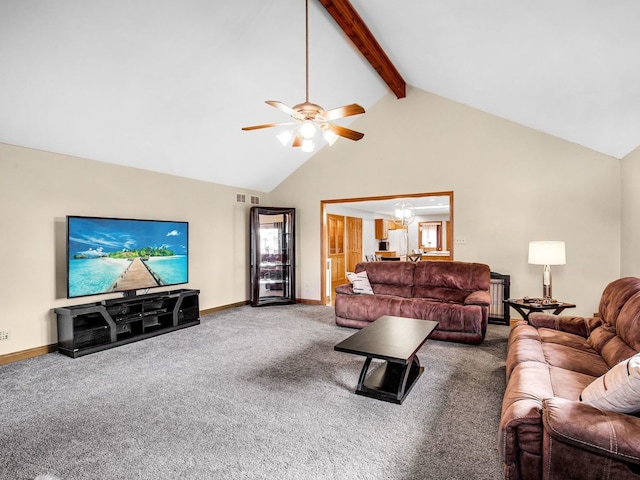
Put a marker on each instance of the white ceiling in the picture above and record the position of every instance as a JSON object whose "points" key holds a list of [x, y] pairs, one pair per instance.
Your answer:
{"points": [[167, 86]]}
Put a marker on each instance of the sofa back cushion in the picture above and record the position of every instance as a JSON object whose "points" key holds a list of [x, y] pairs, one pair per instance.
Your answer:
{"points": [[628, 324], [619, 336], [614, 297], [450, 281], [389, 278]]}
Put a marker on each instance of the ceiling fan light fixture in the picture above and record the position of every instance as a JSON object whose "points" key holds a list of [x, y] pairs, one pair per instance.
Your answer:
{"points": [[403, 214], [285, 137], [330, 137], [308, 129], [307, 145]]}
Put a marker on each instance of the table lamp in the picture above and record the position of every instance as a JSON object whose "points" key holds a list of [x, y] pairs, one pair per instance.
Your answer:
{"points": [[547, 253]]}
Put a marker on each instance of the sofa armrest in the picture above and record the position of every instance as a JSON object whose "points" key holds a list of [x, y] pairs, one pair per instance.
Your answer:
{"points": [[346, 289], [479, 297], [582, 326], [605, 433]]}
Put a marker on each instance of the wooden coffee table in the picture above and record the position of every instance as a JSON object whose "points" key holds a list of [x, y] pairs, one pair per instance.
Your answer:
{"points": [[395, 340]]}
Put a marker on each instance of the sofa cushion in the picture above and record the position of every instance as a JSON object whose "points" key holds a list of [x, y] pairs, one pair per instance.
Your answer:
{"points": [[391, 273], [599, 338], [360, 282], [553, 348], [368, 308], [449, 281], [389, 278], [577, 325], [618, 389], [549, 335], [454, 275], [567, 383], [451, 317], [481, 298], [616, 351], [628, 324], [614, 297], [439, 294], [576, 360], [613, 348]]}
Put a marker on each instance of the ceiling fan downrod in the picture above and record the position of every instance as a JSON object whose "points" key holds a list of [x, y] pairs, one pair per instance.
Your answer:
{"points": [[311, 118]]}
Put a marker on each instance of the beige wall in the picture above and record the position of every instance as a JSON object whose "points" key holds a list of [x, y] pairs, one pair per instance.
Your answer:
{"points": [[511, 184], [630, 264], [37, 191]]}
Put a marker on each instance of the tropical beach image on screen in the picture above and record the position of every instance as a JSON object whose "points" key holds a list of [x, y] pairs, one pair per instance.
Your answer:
{"points": [[113, 255]]}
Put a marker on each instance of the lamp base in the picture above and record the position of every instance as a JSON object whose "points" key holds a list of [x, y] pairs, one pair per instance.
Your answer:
{"points": [[546, 282]]}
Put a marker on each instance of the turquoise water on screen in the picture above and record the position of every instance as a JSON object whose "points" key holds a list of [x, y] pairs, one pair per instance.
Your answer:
{"points": [[91, 276], [170, 269]]}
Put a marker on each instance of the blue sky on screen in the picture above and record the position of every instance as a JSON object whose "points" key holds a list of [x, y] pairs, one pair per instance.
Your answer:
{"points": [[110, 235]]}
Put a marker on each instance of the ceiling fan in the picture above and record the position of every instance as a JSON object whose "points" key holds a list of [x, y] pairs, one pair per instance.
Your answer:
{"points": [[312, 120]]}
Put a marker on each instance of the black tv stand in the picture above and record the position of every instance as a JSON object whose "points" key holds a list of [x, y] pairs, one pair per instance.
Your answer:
{"points": [[92, 327]]}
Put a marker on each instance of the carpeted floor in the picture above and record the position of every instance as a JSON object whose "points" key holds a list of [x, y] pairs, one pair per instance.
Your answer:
{"points": [[251, 393]]}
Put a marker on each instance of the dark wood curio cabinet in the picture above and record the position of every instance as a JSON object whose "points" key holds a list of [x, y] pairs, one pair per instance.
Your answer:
{"points": [[273, 256]]}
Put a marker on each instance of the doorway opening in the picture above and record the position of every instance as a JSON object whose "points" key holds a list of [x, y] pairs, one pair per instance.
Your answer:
{"points": [[429, 207]]}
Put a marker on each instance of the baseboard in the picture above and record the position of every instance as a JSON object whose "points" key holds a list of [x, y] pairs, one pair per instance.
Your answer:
{"points": [[304, 301], [24, 354], [223, 307], [307, 301]]}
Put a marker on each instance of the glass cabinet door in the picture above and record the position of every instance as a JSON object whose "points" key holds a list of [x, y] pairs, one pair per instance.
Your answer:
{"points": [[272, 256]]}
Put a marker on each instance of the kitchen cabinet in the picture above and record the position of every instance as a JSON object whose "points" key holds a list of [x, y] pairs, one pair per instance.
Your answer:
{"points": [[382, 229]]}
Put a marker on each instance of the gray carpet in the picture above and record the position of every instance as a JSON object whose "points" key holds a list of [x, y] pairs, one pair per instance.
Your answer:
{"points": [[251, 393]]}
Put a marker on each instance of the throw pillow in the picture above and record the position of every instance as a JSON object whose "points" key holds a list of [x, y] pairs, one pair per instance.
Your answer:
{"points": [[617, 390], [360, 282]]}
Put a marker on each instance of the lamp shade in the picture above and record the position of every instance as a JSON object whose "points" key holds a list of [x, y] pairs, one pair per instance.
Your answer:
{"points": [[547, 253]]}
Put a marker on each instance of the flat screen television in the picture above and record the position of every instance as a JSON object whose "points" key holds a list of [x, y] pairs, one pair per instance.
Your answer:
{"points": [[106, 255]]}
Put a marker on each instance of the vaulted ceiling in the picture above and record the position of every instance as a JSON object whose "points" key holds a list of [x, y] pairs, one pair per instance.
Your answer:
{"points": [[166, 86]]}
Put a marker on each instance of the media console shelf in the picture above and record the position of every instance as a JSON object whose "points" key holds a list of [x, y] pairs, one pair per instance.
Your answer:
{"points": [[92, 327]]}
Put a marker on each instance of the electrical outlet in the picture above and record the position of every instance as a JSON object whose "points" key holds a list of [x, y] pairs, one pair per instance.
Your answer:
{"points": [[460, 240], [4, 335]]}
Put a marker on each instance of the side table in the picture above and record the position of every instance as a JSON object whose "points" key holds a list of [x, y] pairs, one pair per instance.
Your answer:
{"points": [[526, 307]]}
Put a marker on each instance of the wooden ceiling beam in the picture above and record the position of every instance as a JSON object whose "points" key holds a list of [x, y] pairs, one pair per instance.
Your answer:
{"points": [[354, 27]]}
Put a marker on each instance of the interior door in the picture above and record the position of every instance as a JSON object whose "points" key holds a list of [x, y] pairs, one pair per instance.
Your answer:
{"points": [[335, 233], [353, 245], [344, 241]]}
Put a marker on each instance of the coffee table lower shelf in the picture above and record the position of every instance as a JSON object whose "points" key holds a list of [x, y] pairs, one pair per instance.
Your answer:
{"points": [[390, 381]]}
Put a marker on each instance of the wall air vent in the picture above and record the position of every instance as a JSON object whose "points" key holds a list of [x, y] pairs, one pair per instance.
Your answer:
{"points": [[255, 200], [241, 198]]}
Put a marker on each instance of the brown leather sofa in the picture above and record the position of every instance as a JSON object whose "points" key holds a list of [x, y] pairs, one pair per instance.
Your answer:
{"points": [[456, 294], [546, 431]]}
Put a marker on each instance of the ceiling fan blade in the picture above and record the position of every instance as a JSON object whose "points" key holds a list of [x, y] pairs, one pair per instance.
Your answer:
{"points": [[344, 132], [281, 106], [267, 125], [341, 112]]}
